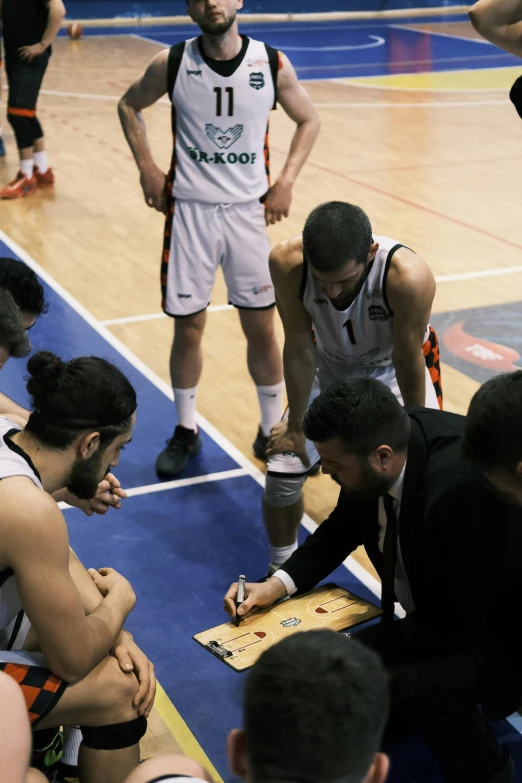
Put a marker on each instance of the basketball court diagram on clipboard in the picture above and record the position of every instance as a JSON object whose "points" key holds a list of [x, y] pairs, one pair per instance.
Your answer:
{"points": [[328, 606]]}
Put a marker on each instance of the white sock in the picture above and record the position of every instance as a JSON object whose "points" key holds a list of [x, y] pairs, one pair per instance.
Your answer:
{"points": [[40, 160], [72, 739], [185, 402], [271, 404], [26, 167], [278, 554]]}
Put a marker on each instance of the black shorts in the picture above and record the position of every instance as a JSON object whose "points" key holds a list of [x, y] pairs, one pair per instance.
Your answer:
{"points": [[24, 80]]}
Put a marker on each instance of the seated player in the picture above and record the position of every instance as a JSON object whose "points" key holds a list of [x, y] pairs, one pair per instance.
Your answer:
{"points": [[15, 735], [28, 293], [83, 413], [13, 338], [314, 709]]}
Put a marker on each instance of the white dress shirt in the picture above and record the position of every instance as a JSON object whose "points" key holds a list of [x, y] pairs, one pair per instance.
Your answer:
{"points": [[402, 586]]}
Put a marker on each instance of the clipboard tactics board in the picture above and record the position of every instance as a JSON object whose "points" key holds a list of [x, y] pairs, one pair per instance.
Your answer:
{"points": [[327, 606]]}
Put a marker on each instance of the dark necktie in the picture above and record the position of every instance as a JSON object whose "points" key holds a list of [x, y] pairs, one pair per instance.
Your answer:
{"points": [[389, 560]]}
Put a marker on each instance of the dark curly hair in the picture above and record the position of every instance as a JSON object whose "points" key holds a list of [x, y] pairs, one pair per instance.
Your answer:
{"points": [[23, 285]]}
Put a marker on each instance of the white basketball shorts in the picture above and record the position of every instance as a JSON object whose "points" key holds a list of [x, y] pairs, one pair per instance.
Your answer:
{"points": [[198, 238]]}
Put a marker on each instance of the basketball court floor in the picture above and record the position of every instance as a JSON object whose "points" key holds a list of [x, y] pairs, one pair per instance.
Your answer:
{"points": [[417, 129]]}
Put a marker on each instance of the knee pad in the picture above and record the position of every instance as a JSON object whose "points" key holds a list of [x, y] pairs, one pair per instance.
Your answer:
{"points": [[22, 128], [283, 490], [116, 736]]}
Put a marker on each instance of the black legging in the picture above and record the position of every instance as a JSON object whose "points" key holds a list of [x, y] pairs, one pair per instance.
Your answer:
{"points": [[25, 79]]}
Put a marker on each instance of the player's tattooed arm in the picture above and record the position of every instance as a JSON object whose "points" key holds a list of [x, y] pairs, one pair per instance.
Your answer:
{"points": [[297, 104], [410, 293], [499, 21], [299, 352], [144, 92]]}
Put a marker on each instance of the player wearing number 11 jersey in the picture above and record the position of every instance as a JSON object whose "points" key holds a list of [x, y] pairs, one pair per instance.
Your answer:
{"points": [[223, 87]]}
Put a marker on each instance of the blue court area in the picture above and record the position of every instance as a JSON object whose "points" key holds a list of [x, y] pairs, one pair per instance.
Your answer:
{"points": [[332, 50], [181, 544]]}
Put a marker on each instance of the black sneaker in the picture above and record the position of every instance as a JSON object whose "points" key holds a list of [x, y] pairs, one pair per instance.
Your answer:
{"points": [[260, 444], [183, 445], [271, 571]]}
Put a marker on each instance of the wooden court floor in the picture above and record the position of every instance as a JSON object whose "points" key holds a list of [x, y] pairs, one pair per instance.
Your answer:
{"points": [[435, 159]]}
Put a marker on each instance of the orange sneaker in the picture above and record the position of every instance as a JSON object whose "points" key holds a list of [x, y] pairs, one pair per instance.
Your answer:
{"points": [[44, 179], [19, 187]]}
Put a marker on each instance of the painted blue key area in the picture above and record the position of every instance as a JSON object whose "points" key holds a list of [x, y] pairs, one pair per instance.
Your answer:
{"points": [[329, 50]]}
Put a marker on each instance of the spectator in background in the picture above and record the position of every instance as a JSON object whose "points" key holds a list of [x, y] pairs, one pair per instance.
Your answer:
{"points": [[315, 707]]}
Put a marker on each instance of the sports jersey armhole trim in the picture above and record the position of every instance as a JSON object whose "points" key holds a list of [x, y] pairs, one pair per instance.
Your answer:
{"points": [[21, 453], [385, 275], [176, 53], [304, 279], [273, 61]]}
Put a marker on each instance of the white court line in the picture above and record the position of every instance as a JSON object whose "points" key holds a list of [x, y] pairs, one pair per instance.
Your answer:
{"points": [[156, 316], [507, 270], [346, 81], [440, 35], [177, 484], [416, 105], [149, 40]]}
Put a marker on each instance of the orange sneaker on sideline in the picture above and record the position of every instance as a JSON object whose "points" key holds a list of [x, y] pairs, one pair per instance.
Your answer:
{"points": [[44, 179], [19, 187]]}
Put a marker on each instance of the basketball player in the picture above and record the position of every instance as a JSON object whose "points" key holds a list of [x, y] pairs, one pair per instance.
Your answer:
{"points": [[223, 87], [75, 432], [29, 29], [351, 303]]}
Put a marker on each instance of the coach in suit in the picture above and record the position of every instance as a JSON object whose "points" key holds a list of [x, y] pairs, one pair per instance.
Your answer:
{"points": [[444, 545]]}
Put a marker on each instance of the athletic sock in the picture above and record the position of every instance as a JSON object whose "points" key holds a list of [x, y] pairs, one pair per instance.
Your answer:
{"points": [[278, 554], [26, 167], [271, 404], [40, 160], [185, 402], [72, 739]]}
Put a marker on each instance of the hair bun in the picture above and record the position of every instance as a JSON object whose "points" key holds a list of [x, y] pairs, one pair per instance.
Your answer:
{"points": [[45, 371]]}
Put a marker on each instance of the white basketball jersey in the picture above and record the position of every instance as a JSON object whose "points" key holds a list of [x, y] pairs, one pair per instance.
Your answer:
{"points": [[358, 340], [221, 127], [12, 463]]}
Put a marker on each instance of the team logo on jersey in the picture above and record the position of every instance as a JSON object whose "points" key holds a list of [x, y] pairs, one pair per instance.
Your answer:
{"points": [[257, 80], [223, 139], [257, 63], [262, 289], [369, 356], [319, 301], [194, 73], [373, 293], [378, 313], [184, 296]]}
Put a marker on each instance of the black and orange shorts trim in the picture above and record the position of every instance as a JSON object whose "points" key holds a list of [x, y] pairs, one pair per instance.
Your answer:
{"points": [[41, 688], [431, 352]]}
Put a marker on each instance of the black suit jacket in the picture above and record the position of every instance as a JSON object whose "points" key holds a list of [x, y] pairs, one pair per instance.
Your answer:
{"points": [[461, 547]]}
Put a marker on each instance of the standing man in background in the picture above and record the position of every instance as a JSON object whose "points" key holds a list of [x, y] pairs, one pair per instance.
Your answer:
{"points": [[223, 87], [29, 28]]}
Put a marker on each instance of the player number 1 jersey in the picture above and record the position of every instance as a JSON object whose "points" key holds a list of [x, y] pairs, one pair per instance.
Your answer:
{"points": [[220, 125]]}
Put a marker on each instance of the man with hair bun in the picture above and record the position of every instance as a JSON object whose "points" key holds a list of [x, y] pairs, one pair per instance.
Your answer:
{"points": [[89, 672]]}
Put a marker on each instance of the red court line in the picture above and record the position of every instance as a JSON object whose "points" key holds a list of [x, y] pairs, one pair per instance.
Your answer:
{"points": [[413, 204]]}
